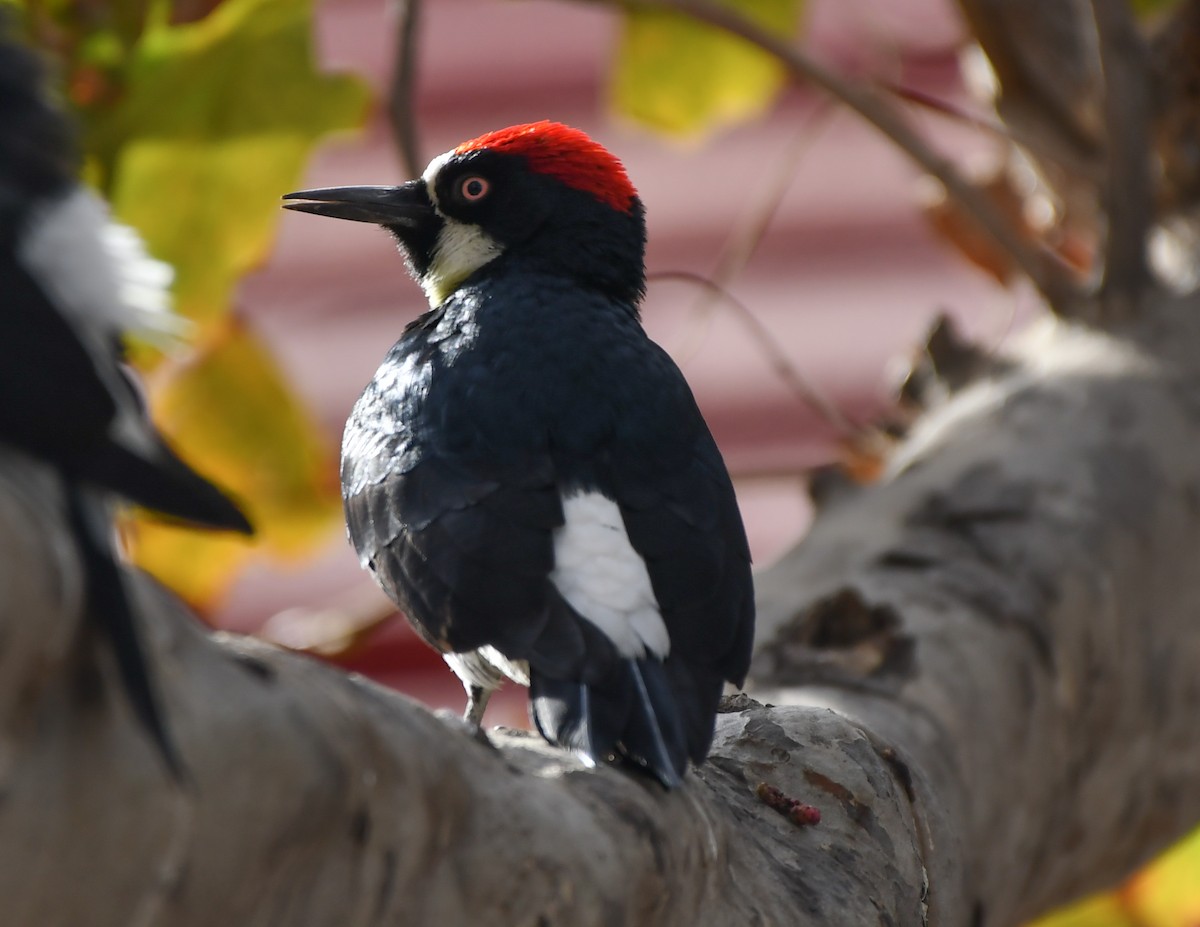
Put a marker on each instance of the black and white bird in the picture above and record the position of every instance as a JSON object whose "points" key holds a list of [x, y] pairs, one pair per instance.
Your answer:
{"points": [[73, 283], [528, 475]]}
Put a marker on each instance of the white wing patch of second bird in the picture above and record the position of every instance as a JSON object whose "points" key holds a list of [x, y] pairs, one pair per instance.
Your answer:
{"points": [[99, 273], [599, 573], [99, 270]]}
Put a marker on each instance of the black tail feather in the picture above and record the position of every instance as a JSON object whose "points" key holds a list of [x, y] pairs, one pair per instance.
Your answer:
{"points": [[631, 714], [165, 485], [108, 606], [579, 717], [653, 735], [697, 691]]}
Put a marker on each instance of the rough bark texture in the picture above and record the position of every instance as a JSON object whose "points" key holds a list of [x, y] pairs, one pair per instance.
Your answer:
{"points": [[984, 667]]}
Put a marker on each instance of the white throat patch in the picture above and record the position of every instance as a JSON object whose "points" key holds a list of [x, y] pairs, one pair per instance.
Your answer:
{"points": [[460, 250], [599, 573]]}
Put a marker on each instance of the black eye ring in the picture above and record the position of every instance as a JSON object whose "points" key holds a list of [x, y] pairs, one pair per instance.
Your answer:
{"points": [[473, 188]]}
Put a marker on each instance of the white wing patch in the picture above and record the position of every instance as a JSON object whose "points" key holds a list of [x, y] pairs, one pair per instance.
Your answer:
{"points": [[599, 573], [98, 270]]}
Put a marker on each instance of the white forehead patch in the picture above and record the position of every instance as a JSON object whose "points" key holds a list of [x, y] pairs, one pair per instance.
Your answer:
{"points": [[430, 175]]}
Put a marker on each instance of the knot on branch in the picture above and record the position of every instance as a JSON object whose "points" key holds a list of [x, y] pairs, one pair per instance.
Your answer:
{"points": [[945, 364], [839, 638]]}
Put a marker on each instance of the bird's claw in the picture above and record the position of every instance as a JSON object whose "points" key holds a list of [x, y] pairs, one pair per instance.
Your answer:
{"points": [[474, 731]]}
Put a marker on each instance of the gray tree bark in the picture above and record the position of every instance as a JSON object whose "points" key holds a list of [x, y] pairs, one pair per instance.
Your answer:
{"points": [[982, 669]]}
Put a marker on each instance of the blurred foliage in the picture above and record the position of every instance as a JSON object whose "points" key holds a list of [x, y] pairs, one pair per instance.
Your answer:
{"points": [[1152, 7], [196, 116], [1166, 893], [218, 117], [229, 407], [684, 77]]}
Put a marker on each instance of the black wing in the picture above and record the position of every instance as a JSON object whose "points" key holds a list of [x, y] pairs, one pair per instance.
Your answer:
{"points": [[57, 405], [663, 469], [455, 518], [682, 519], [52, 400], [685, 524]]}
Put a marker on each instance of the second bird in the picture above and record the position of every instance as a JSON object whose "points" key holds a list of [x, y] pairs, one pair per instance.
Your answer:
{"points": [[528, 475]]}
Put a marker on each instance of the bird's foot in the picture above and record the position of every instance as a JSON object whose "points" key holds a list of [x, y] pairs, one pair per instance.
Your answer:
{"points": [[472, 730]]}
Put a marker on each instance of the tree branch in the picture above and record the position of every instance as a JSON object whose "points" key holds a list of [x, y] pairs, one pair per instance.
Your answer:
{"points": [[1043, 55], [1129, 195], [1040, 266], [985, 667], [402, 107]]}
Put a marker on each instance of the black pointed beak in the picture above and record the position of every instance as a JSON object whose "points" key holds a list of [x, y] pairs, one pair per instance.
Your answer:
{"points": [[405, 206]]}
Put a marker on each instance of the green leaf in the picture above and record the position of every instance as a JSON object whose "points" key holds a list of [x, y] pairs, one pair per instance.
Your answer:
{"points": [[197, 116], [684, 77], [216, 122], [229, 413]]}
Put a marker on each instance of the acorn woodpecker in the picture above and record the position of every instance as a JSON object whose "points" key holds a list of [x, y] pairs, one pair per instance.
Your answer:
{"points": [[73, 283], [528, 476]]}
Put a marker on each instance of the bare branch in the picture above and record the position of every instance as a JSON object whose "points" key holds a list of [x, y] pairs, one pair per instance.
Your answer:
{"points": [[742, 241], [1043, 55], [1014, 135], [403, 90], [1041, 267], [781, 365], [1129, 192], [985, 667]]}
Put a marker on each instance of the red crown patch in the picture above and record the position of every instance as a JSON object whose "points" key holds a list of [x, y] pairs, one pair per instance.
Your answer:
{"points": [[566, 154]]}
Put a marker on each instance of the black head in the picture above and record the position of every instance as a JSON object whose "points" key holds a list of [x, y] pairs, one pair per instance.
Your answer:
{"points": [[540, 197], [37, 151]]}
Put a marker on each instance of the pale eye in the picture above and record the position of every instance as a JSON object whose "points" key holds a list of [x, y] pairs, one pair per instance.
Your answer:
{"points": [[473, 188]]}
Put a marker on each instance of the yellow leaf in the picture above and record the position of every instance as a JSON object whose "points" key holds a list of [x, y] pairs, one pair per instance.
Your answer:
{"points": [[1097, 911], [216, 122], [1167, 892], [230, 414], [682, 76]]}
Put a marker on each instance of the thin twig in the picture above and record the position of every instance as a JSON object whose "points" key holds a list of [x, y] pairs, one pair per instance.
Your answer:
{"points": [[402, 92], [949, 110], [750, 227], [1000, 130], [1129, 194], [777, 360], [1040, 266]]}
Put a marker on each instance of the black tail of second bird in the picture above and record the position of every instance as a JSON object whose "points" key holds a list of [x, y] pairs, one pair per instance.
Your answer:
{"points": [[165, 485], [110, 608]]}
